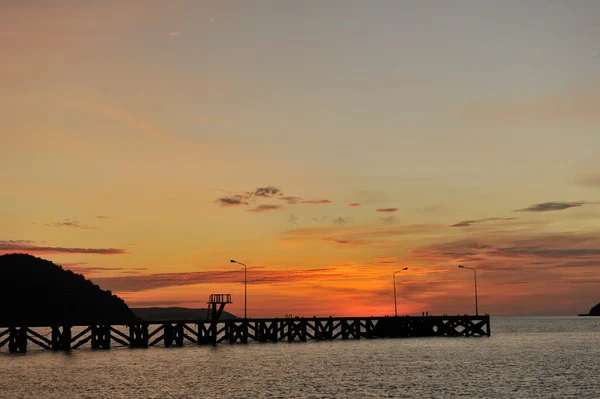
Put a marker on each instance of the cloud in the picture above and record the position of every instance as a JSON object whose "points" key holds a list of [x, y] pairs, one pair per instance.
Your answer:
{"points": [[265, 208], [359, 233], [478, 246], [553, 206], [354, 205], [30, 247], [89, 270], [343, 242], [144, 304], [265, 192], [517, 252], [268, 191], [120, 115], [174, 33], [291, 200], [292, 218], [388, 220], [340, 220], [68, 265], [105, 217], [387, 210], [316, 202], [17, 242], [354, 243], [467, 223], [247, 197], [591, 181], [553, 253], [231, 201], [162, 280], [71, 223], [576, 106], [299, 200]]}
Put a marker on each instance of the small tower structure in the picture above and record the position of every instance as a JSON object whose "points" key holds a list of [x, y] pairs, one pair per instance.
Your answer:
{"points": [[216, 304]]}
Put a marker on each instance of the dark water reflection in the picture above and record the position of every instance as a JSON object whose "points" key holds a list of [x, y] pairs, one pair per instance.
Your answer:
{"points": [[526, 357]]}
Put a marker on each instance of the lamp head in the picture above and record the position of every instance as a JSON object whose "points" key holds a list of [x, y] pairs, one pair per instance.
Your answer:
{"points": [[406, 268], [232, 261], [461, 267]]}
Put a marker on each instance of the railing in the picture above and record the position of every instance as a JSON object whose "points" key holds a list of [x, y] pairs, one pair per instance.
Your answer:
{"points": [[219, 298]]}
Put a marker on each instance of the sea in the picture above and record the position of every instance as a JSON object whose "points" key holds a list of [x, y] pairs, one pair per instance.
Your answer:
{"points": [[525, 357]]}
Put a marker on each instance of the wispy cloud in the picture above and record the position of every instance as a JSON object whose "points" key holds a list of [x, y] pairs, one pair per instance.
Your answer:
{"points": [[70, 223], [299, 200], [343, 242], [174, 33], [355, 243], [576, 106], [265, 208], [260, 276], [591, 180], [359, 233], [354, 205], [553, 206], [291, 200], [340, 220], [467, 223], [144, 304], [387, 210], [105, 217], [231, 201], [316, 202], [388, 220], [553, 253], [514, 251], [121, 115], [30, 247], [78, 267]]}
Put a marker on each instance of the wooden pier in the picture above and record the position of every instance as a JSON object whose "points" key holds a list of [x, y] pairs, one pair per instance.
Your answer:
{"points": [[176, 333]]}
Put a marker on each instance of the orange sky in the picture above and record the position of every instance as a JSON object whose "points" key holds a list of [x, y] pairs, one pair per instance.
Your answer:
{"points": [[147, 143]]}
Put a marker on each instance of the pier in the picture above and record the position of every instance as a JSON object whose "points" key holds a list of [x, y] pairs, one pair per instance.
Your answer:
{"points": [[178, 332]]}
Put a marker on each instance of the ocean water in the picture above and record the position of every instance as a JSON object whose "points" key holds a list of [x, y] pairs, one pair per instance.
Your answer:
{"points": [[526, 357]]}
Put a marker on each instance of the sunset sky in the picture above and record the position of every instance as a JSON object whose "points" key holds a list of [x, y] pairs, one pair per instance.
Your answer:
{"points": [[326, 144]]}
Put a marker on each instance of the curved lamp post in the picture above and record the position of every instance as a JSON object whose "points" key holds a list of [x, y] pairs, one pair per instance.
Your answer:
{"points": [[475, 277], [394, 276], [245, 285]]}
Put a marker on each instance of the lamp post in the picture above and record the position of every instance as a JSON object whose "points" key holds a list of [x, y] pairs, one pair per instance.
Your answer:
{"points": [[245, 284], [475, 277], [394, 277]]}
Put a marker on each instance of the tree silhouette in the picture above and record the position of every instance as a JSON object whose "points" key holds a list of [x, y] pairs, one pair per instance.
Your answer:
{"points": [[36, 292]]}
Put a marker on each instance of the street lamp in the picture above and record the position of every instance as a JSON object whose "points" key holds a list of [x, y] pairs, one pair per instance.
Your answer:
{"points": [[394, 276], [475, 277], [245, 285]]}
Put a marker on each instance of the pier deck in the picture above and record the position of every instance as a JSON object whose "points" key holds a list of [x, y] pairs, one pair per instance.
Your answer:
{"points": [[144, 334]]}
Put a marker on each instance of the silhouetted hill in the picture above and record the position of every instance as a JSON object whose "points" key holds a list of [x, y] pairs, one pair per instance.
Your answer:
{"points": [[162, 314], [595, 311], [34, 291]]}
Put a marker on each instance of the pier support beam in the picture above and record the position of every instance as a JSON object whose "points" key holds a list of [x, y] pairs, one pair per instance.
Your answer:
{"points": [[61, 338], [138, 335], [100, 336], [17, 340]]}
